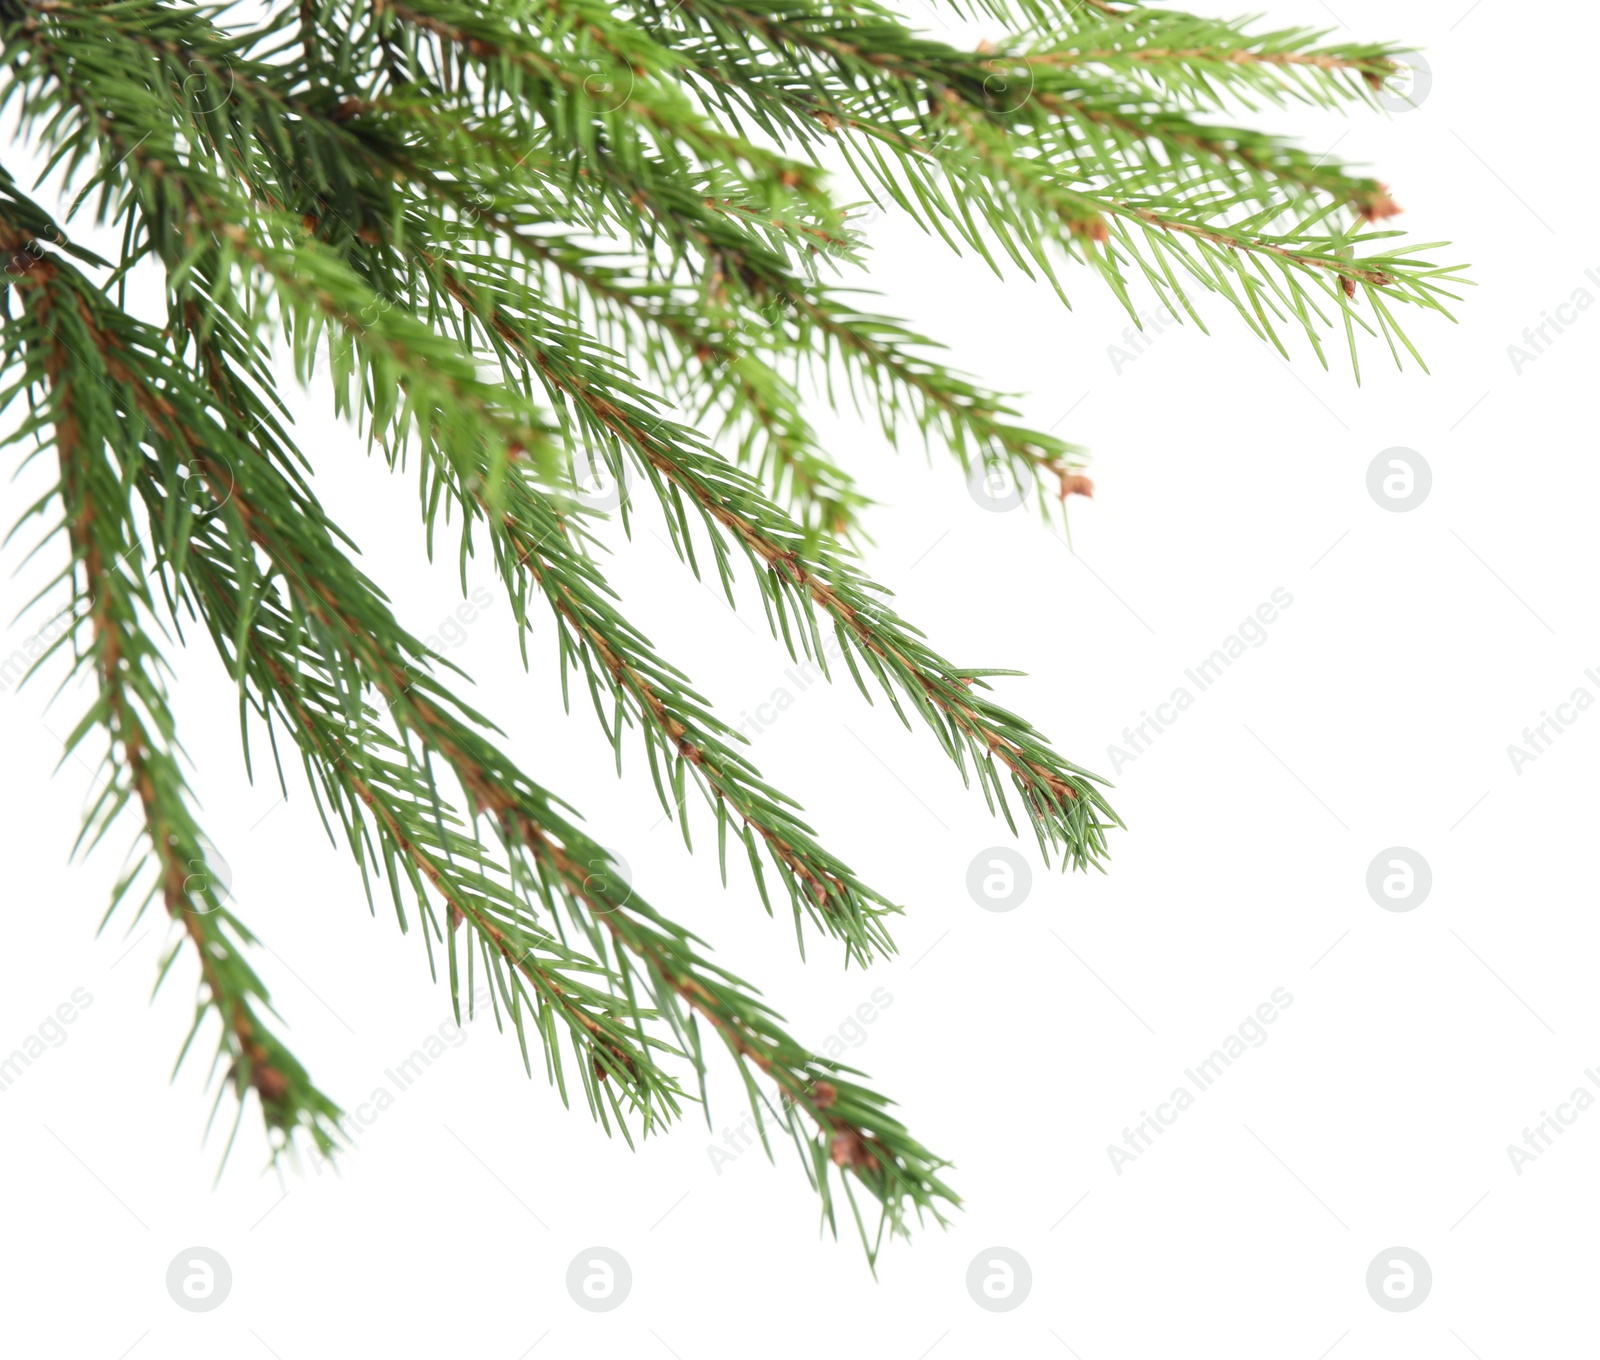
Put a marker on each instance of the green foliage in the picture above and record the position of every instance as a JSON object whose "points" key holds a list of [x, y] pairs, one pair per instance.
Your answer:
{"points": [[524, 236]]}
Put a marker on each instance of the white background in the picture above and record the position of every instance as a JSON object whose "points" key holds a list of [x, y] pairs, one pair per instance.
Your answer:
{"points": [[1378, 713]]}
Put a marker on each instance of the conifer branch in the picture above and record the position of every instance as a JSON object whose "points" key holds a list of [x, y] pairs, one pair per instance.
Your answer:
{"points": [[78, 385], [626, 210]]}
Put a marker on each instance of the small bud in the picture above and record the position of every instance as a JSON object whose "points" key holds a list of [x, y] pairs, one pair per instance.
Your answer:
{"points": [[1075, 484], [849, 1150], [1377, 205], [271, 1083]]}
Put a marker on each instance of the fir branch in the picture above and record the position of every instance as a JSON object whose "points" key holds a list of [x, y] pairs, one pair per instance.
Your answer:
{"points": [[1062, 802], [96, 449], [1010, 142], [626, 210]]}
